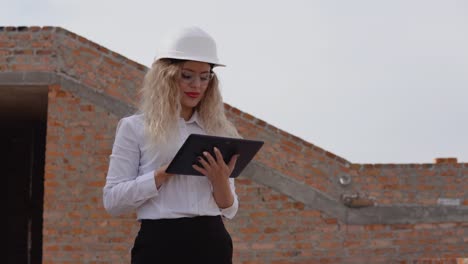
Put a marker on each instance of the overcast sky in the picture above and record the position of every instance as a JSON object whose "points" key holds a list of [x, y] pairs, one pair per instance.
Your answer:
{"points": [[371, 81]]}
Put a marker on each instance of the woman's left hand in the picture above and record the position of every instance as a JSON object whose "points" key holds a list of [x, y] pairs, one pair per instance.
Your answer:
{"points": [[215, 168]]}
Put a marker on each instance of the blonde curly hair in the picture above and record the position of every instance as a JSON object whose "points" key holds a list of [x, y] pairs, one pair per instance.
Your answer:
{"points": [[160, 104]]}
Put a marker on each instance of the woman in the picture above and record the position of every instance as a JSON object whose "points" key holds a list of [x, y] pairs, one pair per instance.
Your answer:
{"points": [[180, 215]]}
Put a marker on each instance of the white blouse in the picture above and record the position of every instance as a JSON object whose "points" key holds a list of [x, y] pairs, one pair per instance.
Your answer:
{"points": [[130, 183]]}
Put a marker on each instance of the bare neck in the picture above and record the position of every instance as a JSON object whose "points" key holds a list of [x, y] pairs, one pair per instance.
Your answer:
{"points": [[186, 113]]}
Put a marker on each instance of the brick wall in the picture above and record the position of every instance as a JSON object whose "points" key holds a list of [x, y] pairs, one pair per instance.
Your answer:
{"points": [[270, 226], [52, 49], [26, 49], [289, 154], [414, 183], [76, 227], [419, 184]]}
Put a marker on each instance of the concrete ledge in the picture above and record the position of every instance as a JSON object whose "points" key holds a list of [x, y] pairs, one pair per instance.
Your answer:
{"points": [[404, 214], [27, 78]]}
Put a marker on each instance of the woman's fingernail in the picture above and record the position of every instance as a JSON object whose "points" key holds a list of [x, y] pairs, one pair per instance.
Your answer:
{"points": [[205, 153]]}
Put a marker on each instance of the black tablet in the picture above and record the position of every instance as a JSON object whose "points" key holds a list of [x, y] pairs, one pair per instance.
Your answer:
{"points": [[196, 144]]}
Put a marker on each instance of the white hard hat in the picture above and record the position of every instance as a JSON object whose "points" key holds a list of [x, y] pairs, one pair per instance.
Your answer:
{"points": [[189, 43]]}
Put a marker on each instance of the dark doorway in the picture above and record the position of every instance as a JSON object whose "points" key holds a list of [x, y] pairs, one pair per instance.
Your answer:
{"points": [[23, 112]]}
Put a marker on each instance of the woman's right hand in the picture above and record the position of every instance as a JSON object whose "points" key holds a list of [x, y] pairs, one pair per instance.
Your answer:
{"points": [[160, 176]]}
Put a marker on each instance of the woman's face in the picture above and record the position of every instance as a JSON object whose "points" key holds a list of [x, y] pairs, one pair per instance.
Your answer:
{"points": [[193, 81]]}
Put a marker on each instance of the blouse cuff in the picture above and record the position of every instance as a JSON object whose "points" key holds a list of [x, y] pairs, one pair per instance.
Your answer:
{"points": [[231, 211], [146, 186]]}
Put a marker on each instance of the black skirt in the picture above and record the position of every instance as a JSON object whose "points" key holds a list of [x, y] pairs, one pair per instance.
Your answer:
{"points": [[202, 239]]}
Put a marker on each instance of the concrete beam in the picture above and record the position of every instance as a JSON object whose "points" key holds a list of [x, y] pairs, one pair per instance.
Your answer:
{"points": [[27, 78], [407, 214]]}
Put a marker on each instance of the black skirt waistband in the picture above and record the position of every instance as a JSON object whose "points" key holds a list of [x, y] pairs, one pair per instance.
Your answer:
{"points": [[182, 220], [200, 223]]}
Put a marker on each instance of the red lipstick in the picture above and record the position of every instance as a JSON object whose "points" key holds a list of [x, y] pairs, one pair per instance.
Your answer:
{"points": [[192, 94]]}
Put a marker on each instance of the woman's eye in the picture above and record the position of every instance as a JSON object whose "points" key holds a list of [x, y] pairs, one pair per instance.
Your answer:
{"points": [[186, 76], [204, 78]]}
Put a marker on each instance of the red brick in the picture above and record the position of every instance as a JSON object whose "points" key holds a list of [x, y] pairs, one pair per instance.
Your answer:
{"points": [[331, 221], [236, 111], [269, 230], [263, 246], [381, 243], [401, 226], [354, 244], [299, 206], [383, 235], [375, 227]]}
